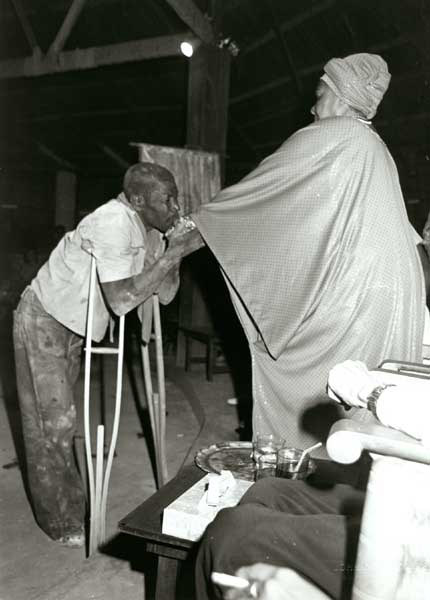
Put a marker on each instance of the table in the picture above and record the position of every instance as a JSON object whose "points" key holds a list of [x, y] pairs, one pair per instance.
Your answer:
{"points": [[145, 520]]}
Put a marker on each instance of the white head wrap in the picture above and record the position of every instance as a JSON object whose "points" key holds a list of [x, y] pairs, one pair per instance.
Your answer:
{"points": [[360, 80]]}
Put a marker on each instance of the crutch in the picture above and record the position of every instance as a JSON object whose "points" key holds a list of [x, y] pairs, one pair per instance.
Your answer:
{"points": [[156, 400], [98, 488]]}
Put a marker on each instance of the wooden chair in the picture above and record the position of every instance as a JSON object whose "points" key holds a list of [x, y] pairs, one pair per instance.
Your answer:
{"points": [[207, 337], [393, 561]]}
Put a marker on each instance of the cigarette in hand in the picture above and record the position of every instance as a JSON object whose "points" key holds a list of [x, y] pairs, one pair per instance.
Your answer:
{"points": [[238, 583]]}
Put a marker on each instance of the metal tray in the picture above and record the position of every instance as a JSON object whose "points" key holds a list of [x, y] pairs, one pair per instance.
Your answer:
{"points": [[235, 457]]}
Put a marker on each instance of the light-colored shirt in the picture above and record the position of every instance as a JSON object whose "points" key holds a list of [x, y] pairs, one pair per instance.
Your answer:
{"points": [[116, 237]]}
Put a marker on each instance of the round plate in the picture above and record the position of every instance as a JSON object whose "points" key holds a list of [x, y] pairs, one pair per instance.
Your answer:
{"points": [[232, 456]]}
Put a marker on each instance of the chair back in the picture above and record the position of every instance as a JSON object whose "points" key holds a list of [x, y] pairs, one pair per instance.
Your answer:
{"points": [[393, 560]]}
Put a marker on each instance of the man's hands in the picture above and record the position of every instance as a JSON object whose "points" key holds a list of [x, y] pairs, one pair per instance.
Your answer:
{"points": [[276, 583], [182, 242], [126, 294], [352, 383]]}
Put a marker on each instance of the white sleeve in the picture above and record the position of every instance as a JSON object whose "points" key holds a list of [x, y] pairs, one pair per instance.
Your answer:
{"points": [[406, 409], [109, 236]]}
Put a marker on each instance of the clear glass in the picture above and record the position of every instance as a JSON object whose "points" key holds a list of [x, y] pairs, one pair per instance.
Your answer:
{"points": [[288, 461], [267, 444], [265, 466]]}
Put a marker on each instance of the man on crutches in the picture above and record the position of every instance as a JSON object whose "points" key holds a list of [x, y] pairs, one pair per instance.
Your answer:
{"points": [[133, 261]]}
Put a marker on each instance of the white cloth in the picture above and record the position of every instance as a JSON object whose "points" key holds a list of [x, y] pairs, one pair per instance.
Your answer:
{"points": [[407, 408], [115, 235]]}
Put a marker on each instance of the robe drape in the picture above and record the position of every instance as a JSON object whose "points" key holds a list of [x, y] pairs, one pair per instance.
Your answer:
{"points": [[315, 246]]}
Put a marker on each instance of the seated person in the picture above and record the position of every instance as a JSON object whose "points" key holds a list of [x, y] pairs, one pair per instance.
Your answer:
{"points": [[305, 536]]}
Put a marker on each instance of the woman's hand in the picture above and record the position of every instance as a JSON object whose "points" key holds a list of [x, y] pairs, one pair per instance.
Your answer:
{"points": [[351, 382]]}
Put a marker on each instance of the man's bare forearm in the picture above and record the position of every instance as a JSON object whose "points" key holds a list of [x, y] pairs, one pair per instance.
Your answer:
{"points": [[126, 294]]}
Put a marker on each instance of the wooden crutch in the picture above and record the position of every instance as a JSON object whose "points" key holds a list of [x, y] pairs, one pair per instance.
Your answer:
{"points": [[98, 489], [156, 400]]}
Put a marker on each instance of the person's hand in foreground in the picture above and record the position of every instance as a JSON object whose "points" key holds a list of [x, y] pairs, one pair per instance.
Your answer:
{"points": [[352, 382], [276, 583]]}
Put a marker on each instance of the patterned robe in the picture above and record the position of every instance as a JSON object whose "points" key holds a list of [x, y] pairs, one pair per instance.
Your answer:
{"points": [[316, 248]]}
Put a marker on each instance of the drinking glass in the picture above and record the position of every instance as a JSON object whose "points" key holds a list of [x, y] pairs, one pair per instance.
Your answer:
{"points": [[266, 445], [287, 462]]}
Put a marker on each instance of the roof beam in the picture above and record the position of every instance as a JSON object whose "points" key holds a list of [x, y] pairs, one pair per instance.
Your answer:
{"points": [[243, 136], [290, 24], [284, 46], [26, 26], [121, 162], [273, 114], [101, 113], [55, 157], [422, 116], [90, 58], [399, 41], [194, 18], [67, 26], [274, 84]]}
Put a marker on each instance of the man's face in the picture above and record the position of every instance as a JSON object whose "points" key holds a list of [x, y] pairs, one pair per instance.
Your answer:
{"points": [[159, 209], [327, 103]]}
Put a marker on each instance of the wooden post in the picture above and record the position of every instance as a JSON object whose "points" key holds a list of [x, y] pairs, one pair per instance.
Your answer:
{"points": [[208, 92], [65, 199], [207, 116]]}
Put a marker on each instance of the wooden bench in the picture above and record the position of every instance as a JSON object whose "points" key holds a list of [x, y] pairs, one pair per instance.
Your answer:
{"points": [[210, 339], [145, 521]]}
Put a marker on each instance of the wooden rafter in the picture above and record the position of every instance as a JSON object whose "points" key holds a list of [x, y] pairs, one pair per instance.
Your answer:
{"points": [[90, 58], [67, 26], [121, 162], [288, 25], [157, 7], [349, 28], [194, 18], [422, 116], [82, 86], [316, 68], [418, 36], [284, 46], [55, 157], [26, 26], [102, 113], [243, 136], [273, 114]]}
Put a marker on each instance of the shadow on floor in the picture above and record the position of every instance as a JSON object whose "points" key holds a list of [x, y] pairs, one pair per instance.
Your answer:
{"points": [[10, 396], [132, 550]]}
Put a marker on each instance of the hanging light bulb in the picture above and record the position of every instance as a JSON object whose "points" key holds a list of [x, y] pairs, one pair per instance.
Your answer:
{"points": [[187, 49]]}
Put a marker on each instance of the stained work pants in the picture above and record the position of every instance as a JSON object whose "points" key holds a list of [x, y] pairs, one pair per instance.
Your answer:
{"points": [[47, 358]]}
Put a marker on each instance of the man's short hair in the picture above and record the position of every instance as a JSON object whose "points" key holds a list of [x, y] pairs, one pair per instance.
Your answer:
{"points": [[141, 178]]}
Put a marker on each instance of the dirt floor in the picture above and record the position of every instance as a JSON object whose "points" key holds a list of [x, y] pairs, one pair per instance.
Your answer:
{"points": [[32, 566]]}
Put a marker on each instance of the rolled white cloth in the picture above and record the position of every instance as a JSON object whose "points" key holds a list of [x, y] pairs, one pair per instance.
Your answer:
{"points": [[407, 409]]}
